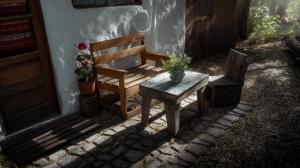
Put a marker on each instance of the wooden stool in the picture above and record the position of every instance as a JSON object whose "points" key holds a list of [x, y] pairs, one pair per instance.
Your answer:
{"points": [[89, 105]]}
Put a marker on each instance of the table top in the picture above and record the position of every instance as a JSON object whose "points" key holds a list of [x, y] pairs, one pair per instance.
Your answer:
{"points": [[162, 83]]}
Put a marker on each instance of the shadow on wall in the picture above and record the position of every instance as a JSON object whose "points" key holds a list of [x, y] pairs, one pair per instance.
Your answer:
{"points": [[168, 25]]}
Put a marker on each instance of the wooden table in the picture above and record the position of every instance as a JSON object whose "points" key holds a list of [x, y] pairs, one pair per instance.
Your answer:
{"points": [[162, 89]]}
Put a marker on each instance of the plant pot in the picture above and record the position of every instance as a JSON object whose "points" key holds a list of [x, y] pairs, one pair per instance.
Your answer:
{"points": [[87, 88], [176, 76]]}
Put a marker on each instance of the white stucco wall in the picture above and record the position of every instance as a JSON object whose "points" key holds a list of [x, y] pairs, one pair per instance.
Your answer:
{"points": [[164, 21]]}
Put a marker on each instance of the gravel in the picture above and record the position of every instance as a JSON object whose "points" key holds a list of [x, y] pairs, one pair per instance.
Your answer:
{"points": [[270, 135]]}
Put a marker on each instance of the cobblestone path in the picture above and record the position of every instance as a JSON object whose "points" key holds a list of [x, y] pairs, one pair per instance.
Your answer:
{"points": [[127, 144]]}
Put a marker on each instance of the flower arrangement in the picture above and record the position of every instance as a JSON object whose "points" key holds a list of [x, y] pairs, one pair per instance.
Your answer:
{"points": [[84, 62], [176, 66]]}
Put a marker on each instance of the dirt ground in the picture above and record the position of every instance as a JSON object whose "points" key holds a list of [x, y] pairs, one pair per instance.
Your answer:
{"points": [[270, 136]]}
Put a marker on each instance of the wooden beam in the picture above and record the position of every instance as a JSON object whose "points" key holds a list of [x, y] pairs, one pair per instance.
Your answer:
{"points": [[120, 54], [117, 42]]}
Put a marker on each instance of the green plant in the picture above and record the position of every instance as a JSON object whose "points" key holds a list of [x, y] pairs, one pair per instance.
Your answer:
{"points": [[85, 63], [262, 26], [176, 62]]}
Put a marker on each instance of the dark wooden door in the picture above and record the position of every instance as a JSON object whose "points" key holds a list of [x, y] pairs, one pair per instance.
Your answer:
{"points": [[209, 27], [27, 90]]}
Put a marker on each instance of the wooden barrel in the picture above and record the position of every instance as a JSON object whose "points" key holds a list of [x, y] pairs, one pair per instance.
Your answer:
{"points": [[13, 7]]}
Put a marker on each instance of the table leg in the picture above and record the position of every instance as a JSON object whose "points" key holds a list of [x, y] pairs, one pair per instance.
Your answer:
{"points": [[173, 117], [146, 105], [200, 100]]}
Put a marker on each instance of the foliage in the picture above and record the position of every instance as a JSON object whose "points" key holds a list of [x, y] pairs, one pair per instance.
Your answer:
{"points": [[84, 62], [176, 62], [262, 26]]}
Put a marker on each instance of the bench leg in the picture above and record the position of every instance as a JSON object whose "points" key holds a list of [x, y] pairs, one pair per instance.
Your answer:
{"points": [[173, 117], [146, 105], [201, 100], [123, 101]]}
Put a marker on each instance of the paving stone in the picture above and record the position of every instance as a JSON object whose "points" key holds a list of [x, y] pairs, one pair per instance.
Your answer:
{"points": [[155, 153], [134, 155], [167, 150], [186, 156], [41, 162], [170, 165], [205, 138], [216, 132], [98, 164], [57, 155], [118, 151], [66, 160], [225, 122], [175, 161], [239, 111], [93, 138], [235, 114], [231, 118], [130, 142], [217, 125], [120, 163], [147, 142], [164, 157], [152, 163], [105, 157], [100, 139], [196, 149], [109, 132], [53, 165], [178, 146], [76, 150], [133, 136], [139, 147], [244, 107], [88, 147], [138, 164], [118, 128]]}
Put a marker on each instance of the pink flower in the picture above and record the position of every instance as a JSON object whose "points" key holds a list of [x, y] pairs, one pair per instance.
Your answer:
{"points": [[82, 46]]}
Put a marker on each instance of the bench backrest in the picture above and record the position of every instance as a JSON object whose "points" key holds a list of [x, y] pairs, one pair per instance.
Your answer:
{"points": [[134, 46], [236, 67]]}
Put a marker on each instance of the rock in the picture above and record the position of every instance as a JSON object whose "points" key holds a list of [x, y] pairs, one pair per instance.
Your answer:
{"points": [[152, 163], [118, 128], [175, 161], [53, 165], [231, 118], [244, 107], [109, 132], [66, 160], [41, 162], [120, 163], [105, 157], [134, 155], [225, 122], [206, 139], [57, 155], [118, 151], [167, 150], [187, 157], [196, 149], [216, 132], [76, 150], [239, 111], [100, 139], [88, 147]]}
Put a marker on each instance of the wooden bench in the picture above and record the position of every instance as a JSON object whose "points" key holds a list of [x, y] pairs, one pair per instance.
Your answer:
{"points": [[123, 83]]}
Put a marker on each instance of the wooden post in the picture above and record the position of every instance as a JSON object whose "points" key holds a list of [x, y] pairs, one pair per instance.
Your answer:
{"points": [[89, 105]]}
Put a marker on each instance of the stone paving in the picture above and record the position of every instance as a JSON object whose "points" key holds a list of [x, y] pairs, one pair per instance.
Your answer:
{"points": [[127, 144]]}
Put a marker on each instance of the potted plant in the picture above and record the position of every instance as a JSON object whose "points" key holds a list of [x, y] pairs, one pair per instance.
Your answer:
{"points": [[85, 70], [176, 66]]}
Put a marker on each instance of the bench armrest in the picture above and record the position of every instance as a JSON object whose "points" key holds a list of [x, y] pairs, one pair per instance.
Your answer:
{"points": [[153, 56], [111, 72]]}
